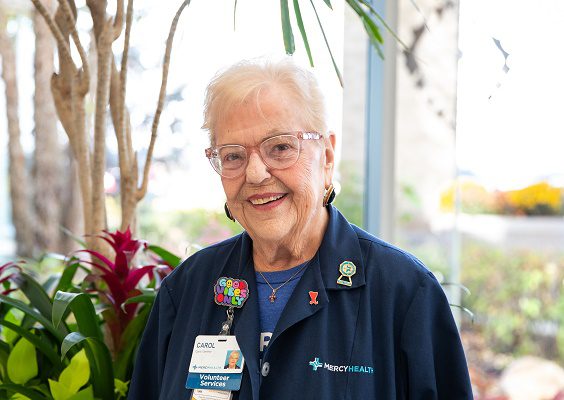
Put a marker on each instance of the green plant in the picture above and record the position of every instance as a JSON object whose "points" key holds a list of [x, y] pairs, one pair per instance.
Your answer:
{"points": [[350, 198], [369, 17], [79, 341], [518, 299], [205, 227]]}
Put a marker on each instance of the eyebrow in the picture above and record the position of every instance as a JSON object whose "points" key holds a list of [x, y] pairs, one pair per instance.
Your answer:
{"points": [[269, 134]]}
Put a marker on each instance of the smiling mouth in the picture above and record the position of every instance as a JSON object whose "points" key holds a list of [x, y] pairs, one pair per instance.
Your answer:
{"points": [[266, 200]]}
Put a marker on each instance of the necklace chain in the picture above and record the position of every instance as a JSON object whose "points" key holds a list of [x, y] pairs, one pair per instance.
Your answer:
{"points": [[272, 296]]}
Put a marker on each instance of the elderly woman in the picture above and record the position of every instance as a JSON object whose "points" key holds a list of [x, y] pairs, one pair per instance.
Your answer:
{"points": [[319, 308]]}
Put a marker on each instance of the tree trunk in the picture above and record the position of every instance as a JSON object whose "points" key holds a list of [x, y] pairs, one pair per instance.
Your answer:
{"points": [[47, 156], [19, 183], [72, 213]]}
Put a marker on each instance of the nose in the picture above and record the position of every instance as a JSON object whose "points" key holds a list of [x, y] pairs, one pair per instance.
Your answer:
{"points": [[257, 171]]}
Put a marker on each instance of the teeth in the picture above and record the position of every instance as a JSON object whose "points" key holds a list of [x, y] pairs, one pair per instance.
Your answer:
{"points": [[265, 200]]}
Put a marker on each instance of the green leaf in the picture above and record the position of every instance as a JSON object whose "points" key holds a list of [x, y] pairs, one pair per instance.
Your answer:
{"points": [[31, 313], [19, 396], [77, 373], [83, 310], [32, 394], [130, 339], [59, 391], [370, 26], [167, 256], [148, 298], [100, 361], [37, 296], [9, 334], [121, 387], [22, 362], [66, 278], [85, 394], [383, 22], [328, 2], [287, 28], [4, 354], [327, 45], [77, 239], [36, 341], [302, 30]]}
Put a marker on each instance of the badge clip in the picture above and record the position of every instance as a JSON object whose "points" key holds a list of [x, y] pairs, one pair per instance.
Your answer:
{"points": [[226, 325]]}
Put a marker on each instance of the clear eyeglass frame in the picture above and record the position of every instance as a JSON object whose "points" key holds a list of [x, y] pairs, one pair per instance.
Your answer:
{"points": [[213, 154]]}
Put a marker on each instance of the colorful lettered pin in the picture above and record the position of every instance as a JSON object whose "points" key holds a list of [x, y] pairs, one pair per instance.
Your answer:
{"points": [[347, 270], [313, 297], [231, 292]]}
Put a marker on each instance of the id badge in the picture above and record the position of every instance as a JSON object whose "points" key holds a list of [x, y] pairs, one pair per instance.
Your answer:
{"points": [[206, 394], [216, 364]]}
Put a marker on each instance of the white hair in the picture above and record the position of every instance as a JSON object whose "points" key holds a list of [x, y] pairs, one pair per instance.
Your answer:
{"points": [[245, 80]]}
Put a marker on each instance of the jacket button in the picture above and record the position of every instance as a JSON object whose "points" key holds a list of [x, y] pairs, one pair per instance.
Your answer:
{"points": [[265, 369]]}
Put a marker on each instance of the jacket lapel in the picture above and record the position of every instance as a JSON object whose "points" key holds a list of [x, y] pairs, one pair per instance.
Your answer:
{"points": [[298, 306], [339, 245]]}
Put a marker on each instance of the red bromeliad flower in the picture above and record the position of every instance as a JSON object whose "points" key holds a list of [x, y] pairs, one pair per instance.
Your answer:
{"points": [[4, 280], [121, 278]]}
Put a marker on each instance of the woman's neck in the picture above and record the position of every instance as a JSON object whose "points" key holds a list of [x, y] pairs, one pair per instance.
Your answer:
{"points": [[297, 248]]}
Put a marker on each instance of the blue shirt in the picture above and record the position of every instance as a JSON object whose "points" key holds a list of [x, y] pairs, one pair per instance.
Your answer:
{"points": [[269, 312]]}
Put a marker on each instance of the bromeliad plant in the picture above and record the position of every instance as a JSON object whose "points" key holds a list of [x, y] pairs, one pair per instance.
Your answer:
{"points": [[45, 325], [116, 282]]}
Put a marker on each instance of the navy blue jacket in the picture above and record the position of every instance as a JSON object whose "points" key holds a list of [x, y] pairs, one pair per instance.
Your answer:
{"points": [[390, 335]]}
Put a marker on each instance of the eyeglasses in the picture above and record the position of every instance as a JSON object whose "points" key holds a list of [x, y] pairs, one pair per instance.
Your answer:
{"points": [[277, 152]]}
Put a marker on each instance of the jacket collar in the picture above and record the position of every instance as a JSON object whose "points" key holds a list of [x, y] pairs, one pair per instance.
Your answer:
{"points": [[339, 244]]}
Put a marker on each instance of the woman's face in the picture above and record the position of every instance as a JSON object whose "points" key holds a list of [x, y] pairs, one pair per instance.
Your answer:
{"points": [[233, 358], [275, 205]]}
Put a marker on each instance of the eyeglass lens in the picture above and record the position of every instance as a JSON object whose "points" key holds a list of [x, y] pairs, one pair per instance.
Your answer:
{"points": [[277, 152]]}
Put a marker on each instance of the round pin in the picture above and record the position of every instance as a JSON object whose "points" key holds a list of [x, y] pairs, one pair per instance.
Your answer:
{"points": [[347, 270]]}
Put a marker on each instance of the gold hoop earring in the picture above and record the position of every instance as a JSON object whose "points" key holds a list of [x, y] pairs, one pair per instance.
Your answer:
{"points": [[227, 212], [329, 195]]}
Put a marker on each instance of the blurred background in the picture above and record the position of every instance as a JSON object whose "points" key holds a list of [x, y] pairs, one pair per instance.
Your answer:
{"points": [[450, 147]]}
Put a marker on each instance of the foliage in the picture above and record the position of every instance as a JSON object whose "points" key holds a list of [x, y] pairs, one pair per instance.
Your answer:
{"points": [[474, 198], [204, 226], [350, 198], [8, 271], [74, 336], [518, 298], [537, 199], [369, 17]]}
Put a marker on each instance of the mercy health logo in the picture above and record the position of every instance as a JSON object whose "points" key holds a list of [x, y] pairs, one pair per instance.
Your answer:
{"points": [[315, 364], [360, 369]]}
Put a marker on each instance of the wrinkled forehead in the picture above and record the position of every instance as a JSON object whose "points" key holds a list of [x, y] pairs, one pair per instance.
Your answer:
{"points": [[258, 117]]}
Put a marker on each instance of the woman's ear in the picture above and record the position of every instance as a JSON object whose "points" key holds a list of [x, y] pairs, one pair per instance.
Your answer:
{"points": [[330, 142]]}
